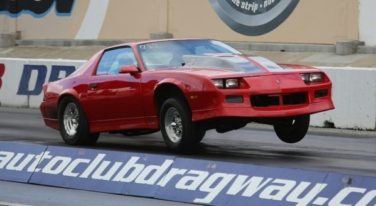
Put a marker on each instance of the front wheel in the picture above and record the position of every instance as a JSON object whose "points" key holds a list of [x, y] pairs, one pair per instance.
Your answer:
{"points": [[292, 130], [178, 130], [74, 128]]}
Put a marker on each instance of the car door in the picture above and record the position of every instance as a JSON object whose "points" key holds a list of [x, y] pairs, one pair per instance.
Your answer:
{"points": [[111, 95]]}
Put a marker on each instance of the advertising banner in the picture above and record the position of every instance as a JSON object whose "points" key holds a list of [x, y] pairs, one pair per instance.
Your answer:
{"points": [[21, 80], [180, 179]]}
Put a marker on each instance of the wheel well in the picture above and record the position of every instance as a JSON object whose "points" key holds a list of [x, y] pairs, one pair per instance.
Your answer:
{"points": [[59, 101], [65, 96], [166, 91]]}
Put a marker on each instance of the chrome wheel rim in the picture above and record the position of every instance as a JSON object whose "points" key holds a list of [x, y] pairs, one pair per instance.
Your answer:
{"points": [[173, 125], [71, 119]]}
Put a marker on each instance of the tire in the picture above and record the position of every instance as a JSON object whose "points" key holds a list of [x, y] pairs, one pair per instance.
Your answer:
{"points": [[200, 134], [292, 130], [178, 130], [73, 125]]}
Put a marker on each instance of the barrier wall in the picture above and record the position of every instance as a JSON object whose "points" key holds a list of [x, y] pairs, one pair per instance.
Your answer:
{"points": [[22, 79], [354, 96], [313, 21], [180, 179], [367, 17], [354, 89]]}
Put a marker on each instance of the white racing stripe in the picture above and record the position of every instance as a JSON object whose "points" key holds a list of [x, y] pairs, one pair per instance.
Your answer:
{"points": [[93, 20]]}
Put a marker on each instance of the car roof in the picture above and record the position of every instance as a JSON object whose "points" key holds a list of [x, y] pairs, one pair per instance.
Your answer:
{"points": [[135, 43]]}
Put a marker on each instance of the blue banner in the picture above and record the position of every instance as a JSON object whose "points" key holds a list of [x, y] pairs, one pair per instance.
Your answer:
{"points": [[18, 161], [181, 179]]}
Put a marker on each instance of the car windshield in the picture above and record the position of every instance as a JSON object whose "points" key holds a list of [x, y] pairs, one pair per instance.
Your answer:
{"points": [[170, 54]]}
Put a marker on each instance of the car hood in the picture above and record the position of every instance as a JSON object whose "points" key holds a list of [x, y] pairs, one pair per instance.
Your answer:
{"points": [[226, 66], [210, 72]]}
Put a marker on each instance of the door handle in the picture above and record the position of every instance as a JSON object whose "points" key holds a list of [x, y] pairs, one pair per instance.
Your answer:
{"points": [[93, 86]]}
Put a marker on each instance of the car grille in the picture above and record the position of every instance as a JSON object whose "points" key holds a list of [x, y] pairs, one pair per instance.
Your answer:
{"points": [[279, 99]]}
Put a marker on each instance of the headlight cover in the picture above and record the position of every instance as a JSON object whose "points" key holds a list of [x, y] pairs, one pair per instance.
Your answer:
{"points": [[310, 78], [232, 83], [218, 83], [226, 83]]}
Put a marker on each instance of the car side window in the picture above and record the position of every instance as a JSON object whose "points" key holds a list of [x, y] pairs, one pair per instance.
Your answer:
{"points": [[114, 59]]}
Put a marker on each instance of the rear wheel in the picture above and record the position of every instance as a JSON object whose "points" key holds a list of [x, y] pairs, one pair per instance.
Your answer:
{"points": [[178, 130], [73, 125], [292, 130]]}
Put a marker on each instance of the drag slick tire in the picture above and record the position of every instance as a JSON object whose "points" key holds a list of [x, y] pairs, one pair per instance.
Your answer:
{"points": [[292, 130], [73, 125], [178, 130]]}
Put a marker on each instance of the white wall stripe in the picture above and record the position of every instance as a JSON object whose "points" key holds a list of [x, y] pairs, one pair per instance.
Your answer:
{"points": [[92, 24], [367, 18]]}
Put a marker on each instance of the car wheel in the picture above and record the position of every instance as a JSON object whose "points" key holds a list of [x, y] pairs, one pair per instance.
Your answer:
{"points": [[73, 125], [292, 130], [178, 130]]}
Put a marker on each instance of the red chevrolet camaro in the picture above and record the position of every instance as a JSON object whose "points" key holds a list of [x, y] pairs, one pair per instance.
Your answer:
{"points": [[183, 87]]}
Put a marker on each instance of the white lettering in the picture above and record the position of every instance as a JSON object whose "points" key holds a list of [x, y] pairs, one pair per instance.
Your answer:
{"points": [[236, 2], [366, 199], [136, 169], [5, 157], [252, 185], [21, 165], [294, 196], [278, 192], [341, 196], [214, 185], [38, 160], [171, 174], [93, 165], [56, 165], [192, 182], [100, 173], [300, 193], [69, 171], [148, 177]]}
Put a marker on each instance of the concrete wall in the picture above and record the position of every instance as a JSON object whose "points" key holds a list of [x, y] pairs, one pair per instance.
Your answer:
{"points": [[354, 89], [22, 79], [367, 21], [354, 96], [318, 21]]}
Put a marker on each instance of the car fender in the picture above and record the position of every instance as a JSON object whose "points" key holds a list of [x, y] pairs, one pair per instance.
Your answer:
{"points": [[184, 88], [178, 83], [198, 94], [69, 92]]}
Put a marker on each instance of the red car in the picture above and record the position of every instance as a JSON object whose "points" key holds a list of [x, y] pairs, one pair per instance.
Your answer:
{"points": [[183, 87]]}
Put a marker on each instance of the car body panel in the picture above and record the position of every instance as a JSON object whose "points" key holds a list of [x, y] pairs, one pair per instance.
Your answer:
{"points": [[127, 101]]}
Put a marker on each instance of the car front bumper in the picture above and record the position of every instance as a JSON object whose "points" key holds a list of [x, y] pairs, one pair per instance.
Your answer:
{"points": [[265, 102]]}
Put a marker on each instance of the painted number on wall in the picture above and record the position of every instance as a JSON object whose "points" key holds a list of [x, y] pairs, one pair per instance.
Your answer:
{"points": [[36, 6]]}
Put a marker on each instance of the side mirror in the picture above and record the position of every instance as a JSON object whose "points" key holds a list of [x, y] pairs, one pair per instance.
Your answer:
{"points": [[130, 69]]}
